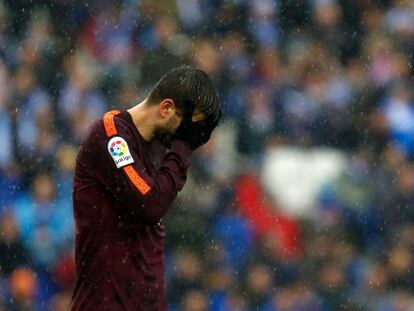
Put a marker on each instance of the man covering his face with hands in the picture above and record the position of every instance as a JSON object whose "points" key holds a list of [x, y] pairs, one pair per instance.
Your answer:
{"points": [[128, 172]]}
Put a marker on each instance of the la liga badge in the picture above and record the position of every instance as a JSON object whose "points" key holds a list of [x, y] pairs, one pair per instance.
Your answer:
{"points": [[119, 151]]}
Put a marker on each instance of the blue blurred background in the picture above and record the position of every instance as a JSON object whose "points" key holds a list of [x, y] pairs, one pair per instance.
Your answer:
{"points": [[302, 201]]}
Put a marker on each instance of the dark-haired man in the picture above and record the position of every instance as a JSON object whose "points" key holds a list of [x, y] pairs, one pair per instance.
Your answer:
{"points": [[128, 172]]}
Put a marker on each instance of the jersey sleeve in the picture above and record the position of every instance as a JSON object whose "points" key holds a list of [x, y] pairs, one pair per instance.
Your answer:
{"points": [[125, 177]]}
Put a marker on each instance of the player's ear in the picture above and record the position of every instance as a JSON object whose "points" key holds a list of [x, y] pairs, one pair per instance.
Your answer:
{"points": [[167, 107]]}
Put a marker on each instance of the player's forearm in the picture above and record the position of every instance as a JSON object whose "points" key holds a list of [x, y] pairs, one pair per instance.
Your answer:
{"points": [[170, 180]]}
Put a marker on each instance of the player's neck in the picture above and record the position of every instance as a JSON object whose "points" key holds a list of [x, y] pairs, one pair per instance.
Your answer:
{"points": [[141, 115]]}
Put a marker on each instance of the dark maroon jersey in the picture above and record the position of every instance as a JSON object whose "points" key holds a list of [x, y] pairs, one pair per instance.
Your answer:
{"points": [[123, 186]]}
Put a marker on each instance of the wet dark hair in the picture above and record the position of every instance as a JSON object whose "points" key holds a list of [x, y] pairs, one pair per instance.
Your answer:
{"points": [[190, 89]]}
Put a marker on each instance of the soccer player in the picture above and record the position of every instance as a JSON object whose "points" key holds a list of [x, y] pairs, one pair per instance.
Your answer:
{"points": [[128, 172]]}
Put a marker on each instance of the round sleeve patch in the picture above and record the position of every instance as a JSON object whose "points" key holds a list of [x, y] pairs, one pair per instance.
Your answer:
{"points": [[119, 151]]}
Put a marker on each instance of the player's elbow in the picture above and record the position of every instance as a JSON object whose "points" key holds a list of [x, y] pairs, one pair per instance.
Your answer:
{"points": [[152, 215], [156, 204]]}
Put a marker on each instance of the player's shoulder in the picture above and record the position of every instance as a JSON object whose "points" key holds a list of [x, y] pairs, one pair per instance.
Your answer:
{"points": [[110, 119], [118, 133], [115, 122], [109, 125]]}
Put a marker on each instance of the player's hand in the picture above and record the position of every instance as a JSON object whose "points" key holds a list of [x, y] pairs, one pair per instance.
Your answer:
{"points": [[196, 134]]}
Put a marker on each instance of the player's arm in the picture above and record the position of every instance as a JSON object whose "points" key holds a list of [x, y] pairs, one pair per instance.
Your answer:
{"points": [[125, 177]]}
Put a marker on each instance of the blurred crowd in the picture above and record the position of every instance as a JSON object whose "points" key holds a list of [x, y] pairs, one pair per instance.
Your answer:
{"points": [[307, 74]]}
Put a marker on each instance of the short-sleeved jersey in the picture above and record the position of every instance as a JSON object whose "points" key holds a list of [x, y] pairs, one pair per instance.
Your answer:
{"points": [[123, 186]]}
